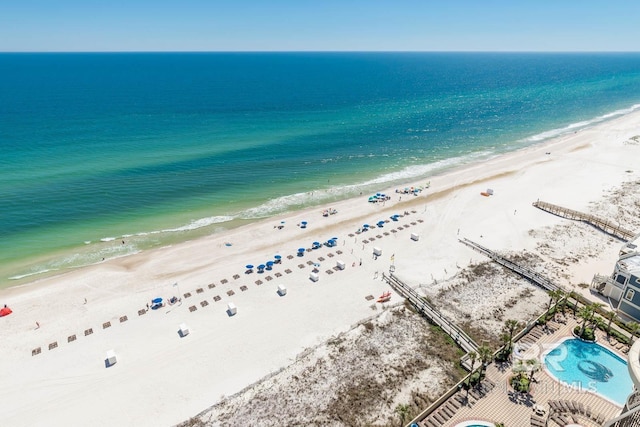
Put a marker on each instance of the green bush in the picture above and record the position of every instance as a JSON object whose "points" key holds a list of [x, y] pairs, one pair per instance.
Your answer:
{"points": [[588, 334], [520, 383]]}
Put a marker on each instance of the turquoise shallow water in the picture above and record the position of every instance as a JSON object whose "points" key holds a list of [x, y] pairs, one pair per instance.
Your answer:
{"points": [[161, 148], [590, 366]]}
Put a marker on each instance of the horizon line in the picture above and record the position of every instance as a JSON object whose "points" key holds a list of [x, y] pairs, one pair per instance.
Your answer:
{"points": [[319, 51]]}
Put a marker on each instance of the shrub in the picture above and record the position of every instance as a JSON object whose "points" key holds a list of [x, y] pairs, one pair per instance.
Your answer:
{"points": [[520, 383]]}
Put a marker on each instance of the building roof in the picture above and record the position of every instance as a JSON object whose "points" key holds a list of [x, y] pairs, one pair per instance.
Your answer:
{"points": [[630, 263]]}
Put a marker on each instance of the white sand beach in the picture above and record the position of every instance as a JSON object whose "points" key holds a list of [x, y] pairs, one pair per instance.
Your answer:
{"points": [[161, 378]]}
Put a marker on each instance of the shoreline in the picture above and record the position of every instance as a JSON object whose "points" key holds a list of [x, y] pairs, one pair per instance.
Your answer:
{"points": [[180, 377], [234, 221]]}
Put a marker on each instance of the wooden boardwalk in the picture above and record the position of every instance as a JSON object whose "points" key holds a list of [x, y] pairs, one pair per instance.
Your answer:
{"points": [[430, 312], [607, 226], [528, 274]]}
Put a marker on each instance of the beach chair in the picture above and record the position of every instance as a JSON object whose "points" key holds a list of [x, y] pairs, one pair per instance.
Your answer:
{"points": [[88, 332], [230, 292], [217, 298], [123, 319], [71, 338], [211, 285], [36, 351], [243, 288], [106, 325], [199, 290], [204, 303]]}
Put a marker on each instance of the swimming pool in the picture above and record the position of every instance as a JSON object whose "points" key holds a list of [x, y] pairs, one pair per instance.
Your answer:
{"points": [[591, 367], [475, 423]]}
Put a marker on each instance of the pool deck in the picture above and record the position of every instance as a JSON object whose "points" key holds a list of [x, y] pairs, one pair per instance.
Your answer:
{"points": [[497, 402]]}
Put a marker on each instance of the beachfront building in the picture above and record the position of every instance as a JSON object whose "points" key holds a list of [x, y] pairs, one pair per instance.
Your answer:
{"points": [[622, 288]]}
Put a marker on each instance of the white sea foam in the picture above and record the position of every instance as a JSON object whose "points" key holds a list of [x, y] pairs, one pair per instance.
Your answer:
{"points": [[414, 172], [580, 125], [107, 239], [34, 273]]}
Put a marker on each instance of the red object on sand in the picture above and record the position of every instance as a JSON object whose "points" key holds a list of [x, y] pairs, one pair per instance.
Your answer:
{"points": [[5, 311], [385, 297]]}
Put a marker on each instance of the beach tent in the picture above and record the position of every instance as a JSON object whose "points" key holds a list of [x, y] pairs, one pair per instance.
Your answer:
{"points": [[5, 311], [231, 309], [183, 330], [377, 251], [111, 358], [415, 237], [282, 290], [314, 277], [340, 264]]}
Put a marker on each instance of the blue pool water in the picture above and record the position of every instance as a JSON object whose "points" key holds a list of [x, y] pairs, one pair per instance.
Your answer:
{"points": [[592, 367], [475, 423]]}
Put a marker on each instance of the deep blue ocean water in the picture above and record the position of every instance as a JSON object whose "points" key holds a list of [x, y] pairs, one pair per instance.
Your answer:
{"points": [[155, 148]]}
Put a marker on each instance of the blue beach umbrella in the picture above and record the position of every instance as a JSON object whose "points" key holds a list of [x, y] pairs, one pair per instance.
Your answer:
{"points": [[157, 300], [301, 250], [365, 226], [249, 266]]}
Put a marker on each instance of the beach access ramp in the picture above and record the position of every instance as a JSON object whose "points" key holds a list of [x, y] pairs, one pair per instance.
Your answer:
{"points": [[525, 272], [430, 312], [607, 226]]}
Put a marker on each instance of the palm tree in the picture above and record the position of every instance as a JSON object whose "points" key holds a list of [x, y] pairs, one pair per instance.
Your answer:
{"points": [[484, 354], [510, 327], [609, 315], [633, 327], [533, 366], [473, 356], [585, 314], [403, 411], [575, 305], [554, 295]]}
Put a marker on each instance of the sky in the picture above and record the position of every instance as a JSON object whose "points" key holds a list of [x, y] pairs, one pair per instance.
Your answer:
{"points": [[320, 25]]}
